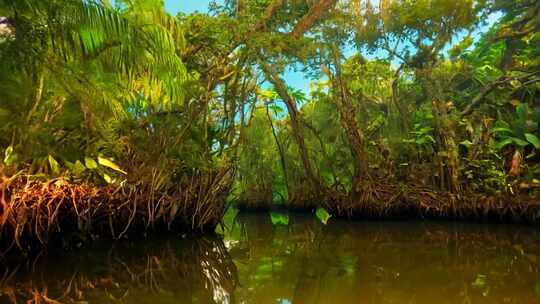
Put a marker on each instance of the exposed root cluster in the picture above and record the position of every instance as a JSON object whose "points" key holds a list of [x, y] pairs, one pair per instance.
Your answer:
{"points": [[256, 198], [303, 197], [35, 212], [389, 200]]}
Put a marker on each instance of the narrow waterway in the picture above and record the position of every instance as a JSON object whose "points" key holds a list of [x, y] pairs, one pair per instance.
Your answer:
{"points": [[298, 261]]}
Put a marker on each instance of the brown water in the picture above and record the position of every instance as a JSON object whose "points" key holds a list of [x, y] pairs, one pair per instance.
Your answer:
{"points": [[302, 262]]}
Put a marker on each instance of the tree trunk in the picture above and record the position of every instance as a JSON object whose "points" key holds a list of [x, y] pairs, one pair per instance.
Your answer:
{"points": [[398, 103], [447, 158], [280, 150], [348, 120], [294, 115]]}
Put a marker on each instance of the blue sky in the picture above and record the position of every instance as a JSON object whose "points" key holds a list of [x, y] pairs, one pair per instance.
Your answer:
{"points": [[186, 6]]}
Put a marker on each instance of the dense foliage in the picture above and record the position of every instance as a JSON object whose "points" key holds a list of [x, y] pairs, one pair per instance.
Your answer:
{"points": [[407, 98]]}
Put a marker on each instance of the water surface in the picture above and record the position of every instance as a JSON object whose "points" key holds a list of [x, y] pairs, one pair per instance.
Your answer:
{"points": [[301, 262]]}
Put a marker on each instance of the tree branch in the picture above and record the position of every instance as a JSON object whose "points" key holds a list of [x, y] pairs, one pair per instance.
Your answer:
{"points": [[314, 13], [486, 90]]}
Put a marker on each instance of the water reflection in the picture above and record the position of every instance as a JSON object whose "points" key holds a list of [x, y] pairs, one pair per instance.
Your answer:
{"points": [[302, 262], [389, 262], [161, 271]]}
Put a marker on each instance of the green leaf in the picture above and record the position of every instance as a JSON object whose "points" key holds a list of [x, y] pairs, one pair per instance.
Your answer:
{"points": [[276, 109], [533, 139], [420, 141], [107, 178], [501, 124], [69, 165], [107, 163], [429, 138], [55, 168], [90, 163], [78, 169], [503, 130], [425, 130], [518, 141], [8, 155], [500, 145], [323, 215], [279, 219], [467, 143], [522, 111]]}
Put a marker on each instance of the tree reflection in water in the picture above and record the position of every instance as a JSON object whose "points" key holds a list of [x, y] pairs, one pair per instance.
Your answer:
{"points": [[301, 262], [164, 271], [384, 262]]}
